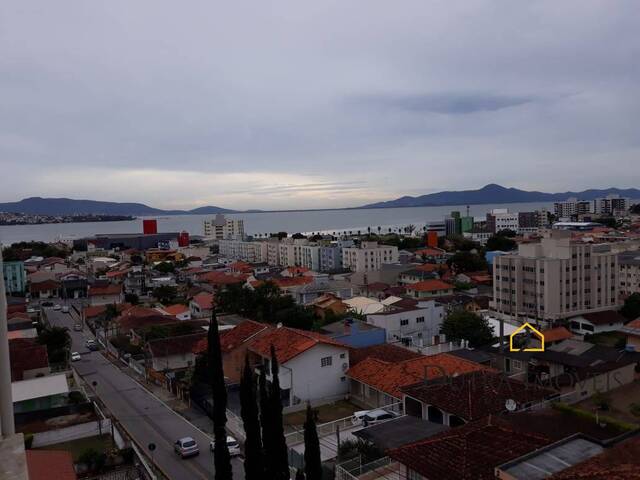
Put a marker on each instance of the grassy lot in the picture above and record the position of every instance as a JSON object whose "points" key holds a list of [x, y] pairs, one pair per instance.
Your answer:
{"points": [[326, 413], [608, 339], [77, 447], [620, 401]]}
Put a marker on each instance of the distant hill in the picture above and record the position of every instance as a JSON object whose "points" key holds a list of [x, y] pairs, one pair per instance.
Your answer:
{"points": [[68, 206], [497, 194]]}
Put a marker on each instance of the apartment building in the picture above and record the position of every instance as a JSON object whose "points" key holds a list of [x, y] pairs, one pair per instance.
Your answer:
{"points": [[555, 279], [252, 252], [611, 205], [501, 219], [15, 277], [629, 263], [368, 256], [220, 228], [571, 208]]}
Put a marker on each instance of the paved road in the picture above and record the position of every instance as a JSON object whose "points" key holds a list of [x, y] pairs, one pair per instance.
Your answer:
{"points": [[144, 416]]}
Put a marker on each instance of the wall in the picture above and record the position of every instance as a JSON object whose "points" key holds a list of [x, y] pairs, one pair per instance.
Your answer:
{"points": [[67, 434]]}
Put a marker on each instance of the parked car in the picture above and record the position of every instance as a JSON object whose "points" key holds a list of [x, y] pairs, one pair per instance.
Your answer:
{"points": [[232, 445], [186, 447], [91, 345], [57, 307], [77, 327], [65, 309], [47, 304], [371, 417], [75, 356]]}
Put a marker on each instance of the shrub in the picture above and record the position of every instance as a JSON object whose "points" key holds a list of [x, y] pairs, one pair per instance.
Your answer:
{"points": [[76, 397]]}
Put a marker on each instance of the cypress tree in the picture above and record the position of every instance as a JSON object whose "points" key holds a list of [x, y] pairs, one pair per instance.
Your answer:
{"points": [[312, 460], [221, 457], [280, 449], [253, 454], [265, 422]]}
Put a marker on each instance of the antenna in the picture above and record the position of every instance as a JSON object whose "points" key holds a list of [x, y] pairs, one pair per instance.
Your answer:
{"points": [[510, 405]]}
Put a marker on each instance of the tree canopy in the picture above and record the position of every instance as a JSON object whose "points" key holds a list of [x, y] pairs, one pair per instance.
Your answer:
{"points": [[463, 325], [463, 262], [500, 242], [631, 308]]}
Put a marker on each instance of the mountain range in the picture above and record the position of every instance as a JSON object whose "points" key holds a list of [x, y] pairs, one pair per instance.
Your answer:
{"points": [[493, 193], [486, 195], [68, 206]]}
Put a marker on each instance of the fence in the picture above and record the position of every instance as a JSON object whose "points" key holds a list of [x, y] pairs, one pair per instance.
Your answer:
{"points": [[74, 432], [128, 473], [352, 469]]}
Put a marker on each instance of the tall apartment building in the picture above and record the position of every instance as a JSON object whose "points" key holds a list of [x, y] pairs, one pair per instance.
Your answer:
{"points": [[611, 205], [555, 279], [253, 252], [439, 227], [220, 228], [629, 263], [501, 219], [571, 208], [15, 277], [368, 256]]}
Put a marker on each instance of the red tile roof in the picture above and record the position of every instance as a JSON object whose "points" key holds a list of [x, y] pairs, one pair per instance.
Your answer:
{"points": [[385, 352], [44, 286], [391, 377], [176, 309], [556, 334], [634, 323], [433, 252], [621, 462], [50, 465], [289, 343], [222, 278], [430, 286], [94, 311], [131, 322], [604, 318], [240, 334], [26, 354], [105, 290], [177, 345], [469, 452], [204, 300], [431, 267], [477, 394], [286, 282]]}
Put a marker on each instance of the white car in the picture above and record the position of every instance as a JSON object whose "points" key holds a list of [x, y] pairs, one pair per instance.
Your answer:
{"points": [[65, 309], [186, 447], [371, 417], [75, 356], [232, 445], [57, 307]]}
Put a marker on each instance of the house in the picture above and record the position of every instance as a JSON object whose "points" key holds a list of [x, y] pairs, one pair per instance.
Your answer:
{"points": [[328, 305], [409, 277], [469, 452], [50, 465], [632, 331], [312, 366], [320, 286], [409, 321], [470, 396], [429, 289], [376, 383], [39, 393], [45, 289], [385, 352], [95, 315], [553, 336], [174, 353], [597, 322], [102, 295], [201, 305], [28, 359], [181, 312], [234, 344], [355, 333], [73, 284]]}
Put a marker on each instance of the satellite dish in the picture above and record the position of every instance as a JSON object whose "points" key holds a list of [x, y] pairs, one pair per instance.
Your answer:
{"points": [[510, 405]]}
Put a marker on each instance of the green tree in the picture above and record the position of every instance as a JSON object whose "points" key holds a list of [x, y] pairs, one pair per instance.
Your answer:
{"points": [[221, 457], [280, 449], [57, 341], [266, 424], [631, 308], [312, 460], [165, 293], [610, 222], [253, 453], [463, 325], [165, 267], [467, 262], [500, 242]]}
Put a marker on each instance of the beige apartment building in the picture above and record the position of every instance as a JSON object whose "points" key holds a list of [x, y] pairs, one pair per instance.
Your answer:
{"points": [[368, 256], [629, 273], [220, 228], [555, 279]]}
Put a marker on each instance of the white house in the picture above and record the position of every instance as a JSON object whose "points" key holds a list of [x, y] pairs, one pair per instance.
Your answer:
{"points": [[312, 366], [415, 323], [597, 322], [103, 295]]}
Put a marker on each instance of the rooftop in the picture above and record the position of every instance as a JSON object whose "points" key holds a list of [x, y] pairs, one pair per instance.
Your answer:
{"points": [[385, 352], [50, 465], [398, 432], [39, 387], [289, 343], [430, 286]]}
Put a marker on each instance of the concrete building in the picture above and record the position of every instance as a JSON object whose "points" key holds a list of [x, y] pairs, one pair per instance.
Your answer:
{"points": [[124, 241], [555, 279], [417, 324], [571, 208], [629, 264], [611, 205], [252, 252], [368, 256], [15, 277], [220, 228], [331, 256], [501, 219], [439, 227]]}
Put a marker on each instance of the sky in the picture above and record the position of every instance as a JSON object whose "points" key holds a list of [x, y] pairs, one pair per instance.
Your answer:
{"points": [[297, 104]]}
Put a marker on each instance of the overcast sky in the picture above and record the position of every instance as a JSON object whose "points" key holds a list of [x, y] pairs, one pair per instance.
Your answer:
{"points": [[299, 104]]}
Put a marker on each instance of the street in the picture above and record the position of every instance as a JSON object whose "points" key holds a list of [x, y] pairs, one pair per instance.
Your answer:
{"points": [[143, 416]]}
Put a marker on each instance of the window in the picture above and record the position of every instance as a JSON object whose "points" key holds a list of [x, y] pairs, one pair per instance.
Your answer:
{"points": [[342, 355], [420, 320], [325, 361], [404, 322], [516, 364], [343, 379]]}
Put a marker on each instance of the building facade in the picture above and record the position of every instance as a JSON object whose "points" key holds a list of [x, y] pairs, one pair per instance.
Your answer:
{"points": [[368, 256], [629, 263], [555, 279], [221, 227], [15, 277], [571, 208]]}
